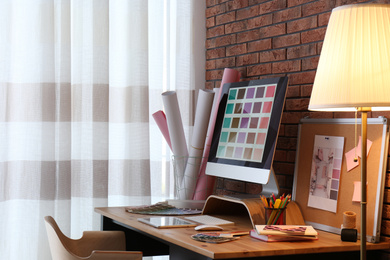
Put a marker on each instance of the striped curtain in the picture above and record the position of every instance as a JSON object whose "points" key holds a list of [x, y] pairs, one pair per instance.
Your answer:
{"points": [[79, 81]]}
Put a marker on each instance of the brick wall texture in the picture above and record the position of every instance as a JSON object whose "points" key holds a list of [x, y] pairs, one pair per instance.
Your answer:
{"points": [[271, 38]]}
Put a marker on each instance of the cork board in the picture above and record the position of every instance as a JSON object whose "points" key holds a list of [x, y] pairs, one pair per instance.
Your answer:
{"points": [[378, 133]]}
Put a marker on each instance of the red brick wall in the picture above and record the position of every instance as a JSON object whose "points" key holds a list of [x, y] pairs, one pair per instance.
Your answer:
{"points": [[269, 38]]}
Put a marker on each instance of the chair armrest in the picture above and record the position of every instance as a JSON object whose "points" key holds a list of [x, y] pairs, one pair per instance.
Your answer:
{"points": [[98, 240], [115, 255]]}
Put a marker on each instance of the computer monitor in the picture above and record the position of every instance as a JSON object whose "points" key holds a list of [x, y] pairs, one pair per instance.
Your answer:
{"points": [[246, 130]]}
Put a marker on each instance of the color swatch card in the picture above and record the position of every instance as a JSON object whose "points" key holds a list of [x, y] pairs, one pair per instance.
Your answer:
{"points": [[246, 122]]}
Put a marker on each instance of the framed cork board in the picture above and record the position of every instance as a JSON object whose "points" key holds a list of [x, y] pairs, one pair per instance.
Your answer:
{"points": [[310, 130]]}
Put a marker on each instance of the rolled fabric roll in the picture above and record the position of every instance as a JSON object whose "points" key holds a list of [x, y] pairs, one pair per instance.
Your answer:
{"points": [[349, 219]]}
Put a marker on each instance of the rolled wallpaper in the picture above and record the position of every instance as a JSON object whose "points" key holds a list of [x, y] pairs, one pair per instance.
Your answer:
{"points": [[175, 127], [161, 121], [202, 118], [205, 184]]}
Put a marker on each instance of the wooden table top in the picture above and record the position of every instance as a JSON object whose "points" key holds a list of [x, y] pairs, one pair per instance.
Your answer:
{"points": [[243, 247]]}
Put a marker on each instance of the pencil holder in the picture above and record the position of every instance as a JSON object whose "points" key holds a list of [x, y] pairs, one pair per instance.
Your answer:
{"points": [[275, 216], [186, 173]]}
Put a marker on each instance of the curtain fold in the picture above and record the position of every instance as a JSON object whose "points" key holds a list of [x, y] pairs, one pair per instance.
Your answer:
{"points": [[79, 81]]}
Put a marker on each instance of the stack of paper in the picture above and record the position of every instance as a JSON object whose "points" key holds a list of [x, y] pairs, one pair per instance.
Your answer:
{"points": [[273, 233]]}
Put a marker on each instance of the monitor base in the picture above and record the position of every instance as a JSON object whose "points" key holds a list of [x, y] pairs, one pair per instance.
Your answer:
{"points": [[272, 187]]}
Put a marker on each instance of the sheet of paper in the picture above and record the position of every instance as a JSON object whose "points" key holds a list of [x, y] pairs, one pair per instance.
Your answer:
{"points": [[357, 191], [356, 152], [325, 172], [349, 159], [359, 147]]}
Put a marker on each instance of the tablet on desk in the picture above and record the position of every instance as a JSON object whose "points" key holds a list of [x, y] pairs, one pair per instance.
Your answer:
{"points": [[167, 222]]}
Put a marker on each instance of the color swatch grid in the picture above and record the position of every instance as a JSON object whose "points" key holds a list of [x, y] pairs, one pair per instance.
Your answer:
{"points": [[335, 180], [246, 122]]}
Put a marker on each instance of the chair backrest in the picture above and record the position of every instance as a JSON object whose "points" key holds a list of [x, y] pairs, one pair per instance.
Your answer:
{"points": [[57, 241]]}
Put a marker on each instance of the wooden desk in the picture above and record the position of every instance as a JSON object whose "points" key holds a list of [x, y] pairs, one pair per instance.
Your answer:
{"points": [[178, 244]]}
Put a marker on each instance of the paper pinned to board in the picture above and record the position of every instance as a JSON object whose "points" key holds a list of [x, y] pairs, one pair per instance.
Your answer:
{"points": [[350, 159], [324, 177], [357, 191], [355, 152], [359, 147]]}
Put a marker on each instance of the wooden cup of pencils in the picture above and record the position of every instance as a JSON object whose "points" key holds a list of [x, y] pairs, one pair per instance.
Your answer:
{"points": [[275, 209]]}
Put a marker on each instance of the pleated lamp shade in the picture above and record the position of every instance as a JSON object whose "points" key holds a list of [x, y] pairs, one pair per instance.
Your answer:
{"points": [[354, 66]]}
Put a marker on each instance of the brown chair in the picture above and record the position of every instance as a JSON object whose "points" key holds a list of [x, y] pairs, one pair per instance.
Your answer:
{"points": [[94, 245]]}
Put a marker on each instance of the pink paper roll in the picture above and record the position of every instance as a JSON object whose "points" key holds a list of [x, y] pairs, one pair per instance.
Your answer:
{"points": [[229, 76], [161, 122], [205, 184]]}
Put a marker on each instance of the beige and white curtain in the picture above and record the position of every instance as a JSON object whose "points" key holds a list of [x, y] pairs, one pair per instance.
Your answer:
{"points": [[79, 81]]}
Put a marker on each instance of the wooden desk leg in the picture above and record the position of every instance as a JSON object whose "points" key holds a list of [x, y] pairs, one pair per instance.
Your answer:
{"points": [[136, 240]]}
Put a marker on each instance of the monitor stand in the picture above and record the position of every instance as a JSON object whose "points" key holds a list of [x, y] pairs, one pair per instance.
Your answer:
{"points": [[250, 207], [272, 187], [249, 210]]}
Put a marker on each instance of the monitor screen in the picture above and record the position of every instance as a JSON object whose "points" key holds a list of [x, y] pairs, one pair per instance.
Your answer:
{"points": [[246, 130]]}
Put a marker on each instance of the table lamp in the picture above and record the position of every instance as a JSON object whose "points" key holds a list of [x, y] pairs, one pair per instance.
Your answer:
{"points": [[353, 73]]}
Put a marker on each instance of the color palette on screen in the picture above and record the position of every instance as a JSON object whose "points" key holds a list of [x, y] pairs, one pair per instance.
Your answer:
{"points": [[246, 122]]}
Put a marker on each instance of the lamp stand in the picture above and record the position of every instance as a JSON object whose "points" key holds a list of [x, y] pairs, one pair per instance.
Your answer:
{"points": [[363, 202]]}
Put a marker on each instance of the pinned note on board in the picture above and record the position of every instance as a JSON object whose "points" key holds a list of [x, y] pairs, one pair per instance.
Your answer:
{"points": [[351, 155], [357, 191], [359, 147], [350, 159]]}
